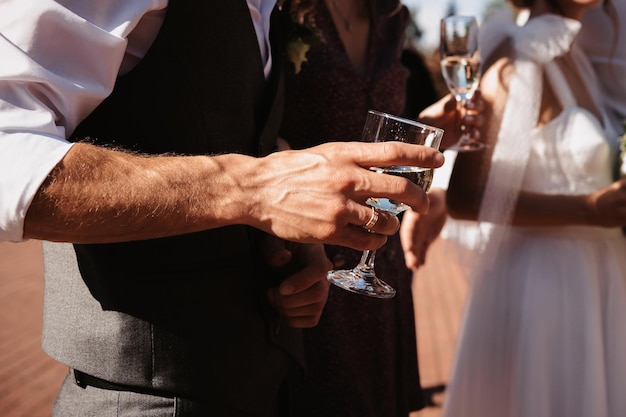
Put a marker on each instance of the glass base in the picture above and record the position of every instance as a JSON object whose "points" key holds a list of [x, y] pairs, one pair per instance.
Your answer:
{"points": [[361, 282]]}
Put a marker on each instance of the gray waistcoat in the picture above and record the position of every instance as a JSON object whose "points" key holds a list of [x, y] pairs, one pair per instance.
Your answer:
{"points": [[187, 315]]}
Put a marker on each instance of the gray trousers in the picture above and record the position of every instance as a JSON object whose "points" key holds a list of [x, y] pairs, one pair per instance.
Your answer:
{"points": [[75, 401]]}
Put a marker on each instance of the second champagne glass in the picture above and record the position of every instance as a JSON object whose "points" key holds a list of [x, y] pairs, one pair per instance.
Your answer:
{"points": [[460, 67], [383, 127]]}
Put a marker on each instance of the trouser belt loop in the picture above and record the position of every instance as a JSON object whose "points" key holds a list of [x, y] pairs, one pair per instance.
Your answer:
{"points": [[78, 378]]}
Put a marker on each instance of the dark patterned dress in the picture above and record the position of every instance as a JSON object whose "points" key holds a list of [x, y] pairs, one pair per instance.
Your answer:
{"points": [[362, 357]]}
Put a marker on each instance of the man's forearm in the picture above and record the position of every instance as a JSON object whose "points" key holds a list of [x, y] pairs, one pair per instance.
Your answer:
{"points": [[98, 195], [315, 195]]}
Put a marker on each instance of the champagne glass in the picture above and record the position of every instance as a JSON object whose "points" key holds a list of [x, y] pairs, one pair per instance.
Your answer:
{"points": [[382, 127], [460, 67]]}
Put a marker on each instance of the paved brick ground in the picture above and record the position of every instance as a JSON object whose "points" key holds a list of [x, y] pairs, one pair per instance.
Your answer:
{"points": [[29, 379], [438, 291]]}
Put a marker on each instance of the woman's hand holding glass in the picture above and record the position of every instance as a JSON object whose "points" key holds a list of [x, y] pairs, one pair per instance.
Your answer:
{"points": [[460, 67]]}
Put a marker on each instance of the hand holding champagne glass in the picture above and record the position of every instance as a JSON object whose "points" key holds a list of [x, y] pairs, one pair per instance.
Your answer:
{"points": [[382, 127], [460, 67]]}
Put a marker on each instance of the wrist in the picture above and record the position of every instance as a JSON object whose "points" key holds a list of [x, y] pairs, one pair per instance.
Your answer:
{"points": [[585, 208], [231, 186]]}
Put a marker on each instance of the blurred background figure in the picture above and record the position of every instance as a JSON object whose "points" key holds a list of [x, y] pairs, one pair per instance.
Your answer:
{"points": [[606, 49], [362, 357], [542, 333]]}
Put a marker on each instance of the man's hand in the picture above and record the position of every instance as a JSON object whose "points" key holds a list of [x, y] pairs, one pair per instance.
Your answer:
{"points": [[317, 195]]}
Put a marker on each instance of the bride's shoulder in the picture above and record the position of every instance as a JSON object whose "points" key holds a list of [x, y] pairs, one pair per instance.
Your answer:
{"points": [[545, 37]]}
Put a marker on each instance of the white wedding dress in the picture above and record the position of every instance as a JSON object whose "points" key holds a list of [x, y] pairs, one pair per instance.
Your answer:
{"points": [[544, 327]]}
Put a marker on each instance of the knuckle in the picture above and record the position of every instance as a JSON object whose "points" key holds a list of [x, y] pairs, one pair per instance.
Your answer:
{"points": [[390, 149], [328, 231]]}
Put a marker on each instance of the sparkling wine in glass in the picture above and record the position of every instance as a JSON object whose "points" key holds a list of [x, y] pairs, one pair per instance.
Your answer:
{"points": [[383, 127], [460, 67]]}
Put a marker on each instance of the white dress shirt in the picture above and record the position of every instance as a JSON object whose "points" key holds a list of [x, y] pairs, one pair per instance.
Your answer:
{"points": [[59, 60]]}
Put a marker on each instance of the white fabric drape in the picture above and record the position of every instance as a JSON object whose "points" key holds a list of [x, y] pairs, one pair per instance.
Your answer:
{"points": [[536, 44]]}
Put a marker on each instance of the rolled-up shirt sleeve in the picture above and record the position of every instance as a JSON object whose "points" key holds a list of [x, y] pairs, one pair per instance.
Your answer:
{"points": [[59, 60]]}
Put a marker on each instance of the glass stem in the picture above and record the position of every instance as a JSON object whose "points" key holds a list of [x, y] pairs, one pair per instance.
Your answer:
{"points": [[462, 112], [366, 265]]}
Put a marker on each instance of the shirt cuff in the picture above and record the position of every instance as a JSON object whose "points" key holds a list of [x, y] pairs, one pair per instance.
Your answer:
{"points": [[25, 161]]}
